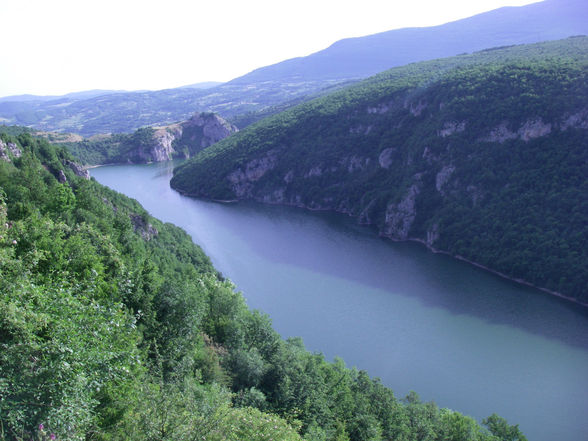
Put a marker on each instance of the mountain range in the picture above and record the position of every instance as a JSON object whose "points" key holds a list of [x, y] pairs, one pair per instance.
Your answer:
{"points": [[274, 88], [361, 57]]}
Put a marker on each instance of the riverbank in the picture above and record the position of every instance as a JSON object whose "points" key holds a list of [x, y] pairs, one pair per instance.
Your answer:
{"points": [[418, 240], [498, 273], [420, 321]]}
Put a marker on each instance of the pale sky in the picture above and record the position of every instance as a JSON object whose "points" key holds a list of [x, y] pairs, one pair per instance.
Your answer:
{"points": [[52, 47]]}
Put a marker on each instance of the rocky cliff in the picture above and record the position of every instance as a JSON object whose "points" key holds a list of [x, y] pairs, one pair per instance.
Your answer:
{"points": [[154, 144], [481, 156], [9, 150], [186, 138]]}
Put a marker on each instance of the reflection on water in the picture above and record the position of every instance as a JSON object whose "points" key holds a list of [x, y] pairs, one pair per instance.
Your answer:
{"points": [[454, 333]]}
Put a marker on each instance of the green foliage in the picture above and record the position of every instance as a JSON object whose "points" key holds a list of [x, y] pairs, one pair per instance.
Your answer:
{"points": [[52, 367], [144, 144], [115, 326], [482, 156], [500, 429], [457, 427], [83, 295], [98, 150], [14, 130], [62, 199]]}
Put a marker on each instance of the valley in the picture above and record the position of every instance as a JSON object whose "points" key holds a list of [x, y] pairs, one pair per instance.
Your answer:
{"points": [[480, 156], [384, 237], [394, 309]]}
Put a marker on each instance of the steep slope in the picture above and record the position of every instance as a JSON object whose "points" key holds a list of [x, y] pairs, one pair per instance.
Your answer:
{"points": [[115, 326], [482, 156], [152, 144]]}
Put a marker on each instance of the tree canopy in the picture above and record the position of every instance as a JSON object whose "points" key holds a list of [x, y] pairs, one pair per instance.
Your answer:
{"points": [[115, 326]]}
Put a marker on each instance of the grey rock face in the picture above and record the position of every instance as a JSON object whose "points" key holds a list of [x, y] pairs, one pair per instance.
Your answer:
{"points": [[78, 169], [385, 158], [61, 177], [8, 150], [532, 128], [200, 131], [163, 138], [578, 120], [242, 179], [146, 230], [443, 177], [399, 217], [214, 128], [451, 127]]}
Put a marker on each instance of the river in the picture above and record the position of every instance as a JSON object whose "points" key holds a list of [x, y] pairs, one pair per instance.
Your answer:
{"points": [[453, 333]]}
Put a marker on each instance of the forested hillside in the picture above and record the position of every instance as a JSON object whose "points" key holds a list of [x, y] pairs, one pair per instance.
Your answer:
{"points": [[115, 326], [152, 144], [144, 145], [483, 156]]}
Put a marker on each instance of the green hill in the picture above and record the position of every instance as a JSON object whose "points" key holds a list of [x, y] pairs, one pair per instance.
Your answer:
{"points": [[115, 326], [482, 156], [150, 144]]}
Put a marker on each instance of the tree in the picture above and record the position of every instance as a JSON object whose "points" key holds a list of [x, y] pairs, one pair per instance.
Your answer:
{"points": [[499, 427]]}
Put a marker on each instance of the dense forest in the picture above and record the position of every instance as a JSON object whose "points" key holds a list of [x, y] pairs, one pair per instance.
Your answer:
{"points": [[97, 150], [483, 156], [115, 326]]}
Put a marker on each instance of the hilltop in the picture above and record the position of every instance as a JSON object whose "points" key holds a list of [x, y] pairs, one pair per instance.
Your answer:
{"points": [[482, 156]]}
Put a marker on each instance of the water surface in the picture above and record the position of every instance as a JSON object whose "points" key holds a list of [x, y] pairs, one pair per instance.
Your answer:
{"points": [[455, 334]]}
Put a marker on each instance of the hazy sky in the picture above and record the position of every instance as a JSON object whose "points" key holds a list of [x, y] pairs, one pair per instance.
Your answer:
{"points": [[60, 46]]}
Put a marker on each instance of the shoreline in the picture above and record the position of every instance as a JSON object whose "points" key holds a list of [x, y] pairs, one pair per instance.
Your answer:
{"points": [[417, 240], [89, 167], [490, 270]]}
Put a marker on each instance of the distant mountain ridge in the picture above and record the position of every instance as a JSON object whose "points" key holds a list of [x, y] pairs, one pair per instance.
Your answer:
{"points": [[365, 56], [86, 94], [481, 156], [272, 88], [202, 85]]}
